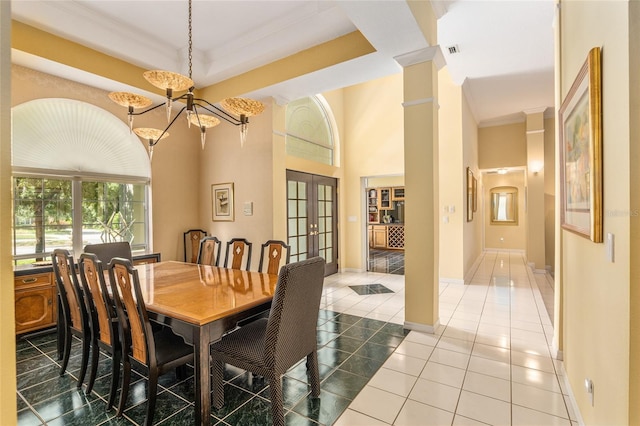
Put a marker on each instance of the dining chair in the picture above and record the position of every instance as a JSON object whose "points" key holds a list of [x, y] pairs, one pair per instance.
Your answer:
{"points": [[192, 239], [157, 353], [270, 346], [209, 253], [103, 321], [274, 250], [107, 251], [75, 319], [237, 250]]}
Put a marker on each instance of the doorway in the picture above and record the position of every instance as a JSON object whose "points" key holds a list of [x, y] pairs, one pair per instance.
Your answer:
{"points": [[312, 212]]}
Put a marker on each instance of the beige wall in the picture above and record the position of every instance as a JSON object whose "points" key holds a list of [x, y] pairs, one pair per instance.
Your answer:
{"points": [[452, 178], [7, 315], [174, 172], [549, 192], [373, 142], [249, 168], [502, 146], [473, 229], [504, 236], [598, 326]]}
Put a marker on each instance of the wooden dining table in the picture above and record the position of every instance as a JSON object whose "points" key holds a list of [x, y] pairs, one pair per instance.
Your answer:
{"points": [[201, 303]]}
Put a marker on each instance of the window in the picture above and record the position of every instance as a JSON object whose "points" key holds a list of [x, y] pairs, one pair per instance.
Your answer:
{"points": [[44, 215], [309, 133], [79, 177]]}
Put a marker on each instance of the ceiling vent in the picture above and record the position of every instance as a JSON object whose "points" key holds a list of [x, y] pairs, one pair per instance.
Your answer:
{"points": [[453, 49]]}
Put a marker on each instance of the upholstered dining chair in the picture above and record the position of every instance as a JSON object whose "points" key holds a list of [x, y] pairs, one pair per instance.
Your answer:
{"points": [[277, 253], [75, 319], [107, 251], [103, 321], [192, 239], [238, 249], [158, 352], [209, 253], [270, 346]]}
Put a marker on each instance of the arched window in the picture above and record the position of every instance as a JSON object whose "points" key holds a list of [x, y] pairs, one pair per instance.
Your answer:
{"points": [[79, 177], [309, 130]]}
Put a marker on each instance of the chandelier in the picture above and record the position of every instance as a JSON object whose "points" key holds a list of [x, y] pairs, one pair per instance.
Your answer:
{"points": [[199, 112]]}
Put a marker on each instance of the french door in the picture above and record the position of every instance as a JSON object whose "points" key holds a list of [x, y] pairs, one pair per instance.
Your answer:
{"points": [[312, 212]]}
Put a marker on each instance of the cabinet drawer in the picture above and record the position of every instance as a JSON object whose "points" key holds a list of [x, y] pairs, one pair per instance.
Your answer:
{"points": [[33, 280], [35, 309]]}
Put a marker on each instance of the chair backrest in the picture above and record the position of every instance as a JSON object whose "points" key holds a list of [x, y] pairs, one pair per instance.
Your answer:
{"points": [[237, 250], [209, 253], [192, 240], [107, 251], [69, 289], [278, 254], [97, 298], [135, 327], [291, 327]]}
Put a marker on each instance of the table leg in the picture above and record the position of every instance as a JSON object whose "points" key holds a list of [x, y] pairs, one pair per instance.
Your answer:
{"points": [[202, 371]]}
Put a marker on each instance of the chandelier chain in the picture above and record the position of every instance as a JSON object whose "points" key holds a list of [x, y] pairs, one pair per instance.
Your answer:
{"points": [[190, 42]]}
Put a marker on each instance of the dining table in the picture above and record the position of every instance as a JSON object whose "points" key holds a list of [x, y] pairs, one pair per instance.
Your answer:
{"points": [[201, 303]]}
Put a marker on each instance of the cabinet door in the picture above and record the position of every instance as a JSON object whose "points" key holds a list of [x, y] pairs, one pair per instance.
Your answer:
{"points": [[379, 236], [35, 308], [397, 193], [385, 198], [370, 236]]}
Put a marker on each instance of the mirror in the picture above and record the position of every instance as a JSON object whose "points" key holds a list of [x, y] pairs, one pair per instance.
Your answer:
{"points": [[504, 205]]}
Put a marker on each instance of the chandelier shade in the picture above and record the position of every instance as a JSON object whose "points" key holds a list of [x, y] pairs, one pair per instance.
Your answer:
{"points": [[200, 112]]}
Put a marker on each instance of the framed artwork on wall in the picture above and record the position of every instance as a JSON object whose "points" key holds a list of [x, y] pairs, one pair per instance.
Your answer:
{"points": [[470, 195], [222, 202], [475, 194], [580, 119]]}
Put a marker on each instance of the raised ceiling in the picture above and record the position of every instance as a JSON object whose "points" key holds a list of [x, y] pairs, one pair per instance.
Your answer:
{"points": [[505, 58]]}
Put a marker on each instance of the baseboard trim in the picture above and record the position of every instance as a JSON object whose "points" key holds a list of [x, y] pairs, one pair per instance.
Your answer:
{"points": [[572, 399], [452, 281], [423, 328]]}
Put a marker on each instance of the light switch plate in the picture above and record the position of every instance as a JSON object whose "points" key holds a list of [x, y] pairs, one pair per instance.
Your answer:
{"points": [[247, 208]]}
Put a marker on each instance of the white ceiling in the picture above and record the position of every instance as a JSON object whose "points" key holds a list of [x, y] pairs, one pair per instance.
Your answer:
{"points": [[505, 57]]}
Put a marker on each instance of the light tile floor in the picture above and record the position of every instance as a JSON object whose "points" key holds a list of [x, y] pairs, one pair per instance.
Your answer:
{"points": [[488, 363]]}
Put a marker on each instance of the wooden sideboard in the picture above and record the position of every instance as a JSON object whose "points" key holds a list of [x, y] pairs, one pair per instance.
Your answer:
{"points": [[36, 304]]}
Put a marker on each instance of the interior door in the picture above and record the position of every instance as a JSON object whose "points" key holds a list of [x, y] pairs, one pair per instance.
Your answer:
{"points": [[312, 211]]}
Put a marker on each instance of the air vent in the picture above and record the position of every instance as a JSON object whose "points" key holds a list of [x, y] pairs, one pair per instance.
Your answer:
{"points": [[453, 49]]}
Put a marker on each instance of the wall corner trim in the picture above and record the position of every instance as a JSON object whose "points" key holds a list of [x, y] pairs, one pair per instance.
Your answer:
{"points": [[423, 328]]}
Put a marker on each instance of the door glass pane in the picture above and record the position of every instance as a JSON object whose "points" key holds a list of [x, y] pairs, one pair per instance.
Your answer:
{"points": [[329, 223], [293, 242], [321, 241], [328, 207], [302, 190], [292, 210], [293, 227], [292, 188], [302, 208], [329, 256], [321, 192], [329, 195], [321, 227], [302, 226], [302, 241]]}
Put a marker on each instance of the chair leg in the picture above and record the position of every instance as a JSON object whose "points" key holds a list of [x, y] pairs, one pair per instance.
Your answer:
{"points": [[86, 345], [313, 373], [152, 391], [66, 351], [115, 375], [277, 405], [126, 379], [217, 381], [95, 354]]}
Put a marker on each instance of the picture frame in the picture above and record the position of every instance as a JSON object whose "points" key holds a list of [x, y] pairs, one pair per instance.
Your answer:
{"points": [[580, 135], [475, 194], [470, 194], [222, 202]]}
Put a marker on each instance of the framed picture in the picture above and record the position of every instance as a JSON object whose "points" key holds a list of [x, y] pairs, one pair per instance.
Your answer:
{"points": [[222, 202], [580, 122], [474, 188], [470, 195]]}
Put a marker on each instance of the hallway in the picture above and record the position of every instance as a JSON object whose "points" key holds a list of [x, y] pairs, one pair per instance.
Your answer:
{"points": [[489, 362]]}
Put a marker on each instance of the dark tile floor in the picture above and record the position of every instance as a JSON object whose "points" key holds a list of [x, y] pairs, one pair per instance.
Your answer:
{"points": [[350, 350], [386, 261]]}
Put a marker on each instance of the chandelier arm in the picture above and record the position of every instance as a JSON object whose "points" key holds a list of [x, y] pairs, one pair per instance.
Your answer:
{"points": [[183, 96], [219, 113], [231, 119], [168, 126]]}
